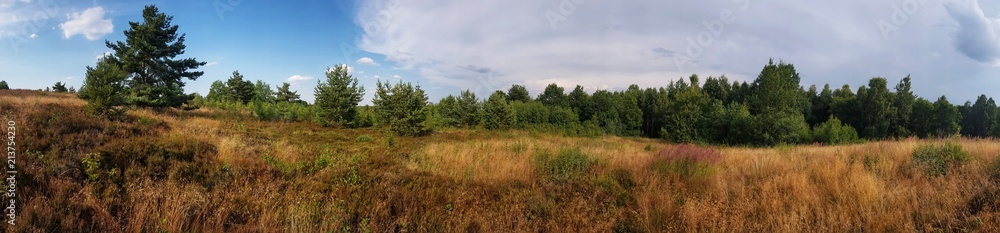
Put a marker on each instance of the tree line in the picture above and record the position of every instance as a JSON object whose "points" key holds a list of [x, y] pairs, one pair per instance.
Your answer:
{"points": [[772, 109]]}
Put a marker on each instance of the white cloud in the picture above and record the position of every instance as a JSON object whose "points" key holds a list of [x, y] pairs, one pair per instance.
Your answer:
{"points": [[33, 35], [396, 76], [211, 63], [977, 35], [366, 61], [105, 54], [360, 72], [376, 77], [90, 23], [298, 78], [68, 78], [601, 44]]}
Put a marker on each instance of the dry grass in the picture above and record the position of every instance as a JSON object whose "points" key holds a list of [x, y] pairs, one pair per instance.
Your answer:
{"points": [[206, 171]]}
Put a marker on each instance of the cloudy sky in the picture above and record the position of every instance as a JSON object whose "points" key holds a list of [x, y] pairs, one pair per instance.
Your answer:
{"points": [[948, 47]]}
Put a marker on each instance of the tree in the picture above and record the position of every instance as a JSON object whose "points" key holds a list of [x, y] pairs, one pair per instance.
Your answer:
{"points": [[469, 109], [497, 113], [284, 94], [903, 102], [3, 85], [876, 103], [718, 88], [948, 118], [979, 120], [218, 92], [579, 101], [262, 93], [447, 109], [402, 107], [822, 105], [59, 87], [239, 90], [72, 89], [553, 96], [148, 55], [518, 93], [337, 98], [923, 122], [775, 90], [103, 88]]}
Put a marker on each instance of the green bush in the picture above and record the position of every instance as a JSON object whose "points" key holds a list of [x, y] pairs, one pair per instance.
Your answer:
{"points": [[92, 165], [364, 138], [568, 165], [937, 160], [834, 132]]}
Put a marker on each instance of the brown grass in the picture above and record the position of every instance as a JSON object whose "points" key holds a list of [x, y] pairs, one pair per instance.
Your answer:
{"points": [[206, 171]]}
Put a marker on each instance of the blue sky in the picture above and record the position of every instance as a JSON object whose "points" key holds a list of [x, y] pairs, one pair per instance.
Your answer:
{"points": [[949, 47]]}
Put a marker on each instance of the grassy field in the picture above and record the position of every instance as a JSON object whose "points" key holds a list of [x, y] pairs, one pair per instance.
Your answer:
{"points": [[211, 171]]}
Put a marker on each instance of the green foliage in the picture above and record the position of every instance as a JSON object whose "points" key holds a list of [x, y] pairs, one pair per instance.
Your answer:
{"points": [[567, 165], [363, 138], [553, 96], [979, 120], [284, 94], [402, 107], [834, 132], [103, 89], [148, 57], [937, 160], [518, 93], [238, 89], [775, 90], [497, 113], [59, 87], [92, 166], [876, 104], [337, 98], [692, 115], [3, 85]]}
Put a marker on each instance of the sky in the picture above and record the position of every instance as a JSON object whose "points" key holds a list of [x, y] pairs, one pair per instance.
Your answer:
{"points": [[947, 47]]}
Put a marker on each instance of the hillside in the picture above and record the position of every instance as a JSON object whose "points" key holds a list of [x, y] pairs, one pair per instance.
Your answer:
{"points": [[211, 171]]}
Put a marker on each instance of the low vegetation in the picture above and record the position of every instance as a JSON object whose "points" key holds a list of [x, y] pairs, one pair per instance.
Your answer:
{"points": [[207, 170]]}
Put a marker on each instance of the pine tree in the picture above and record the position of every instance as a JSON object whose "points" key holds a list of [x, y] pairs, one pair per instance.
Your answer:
{"points": [[284, 94], [553, 96], [148, 56], [239, 90], [59, 87], [469, 109], [103, 88], [498, 114], [337, 98], [218, 92], [3, 85], [402, 107]]}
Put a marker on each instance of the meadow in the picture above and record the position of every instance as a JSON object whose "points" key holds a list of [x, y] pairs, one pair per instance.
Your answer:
{"points": [[208, 170]]}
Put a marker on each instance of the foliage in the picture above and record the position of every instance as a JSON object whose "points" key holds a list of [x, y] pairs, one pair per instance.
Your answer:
{"points": [[497, 113], [103, 89], [937, 160], [834, 132], [337, 98], [238, 89], [148, 57], [568, 165], [3, 85], [59, 87], [518, 93], [402, 107]]}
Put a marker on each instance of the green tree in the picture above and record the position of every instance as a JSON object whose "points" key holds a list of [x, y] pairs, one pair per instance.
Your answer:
{"points": [[518, 93], [553, 96], [239, 90], [402, 107], [59, 87], [337, 98], [876, 102], [262, 93], [979, 119], [776, 90], [944, 119], [903, 102], [148, 55], [103, 88], [718, 88], [497, 113], [218, 92], [579, 101], [923, 121], [447, 109], [469, 109], [3, 85], [286, 95]]}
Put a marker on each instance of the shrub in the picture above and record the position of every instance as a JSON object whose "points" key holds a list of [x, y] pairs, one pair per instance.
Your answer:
{"points": [[364, 138], [834, 132], [568, 165], [937, 160], [92, 165], [686, 161]]}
